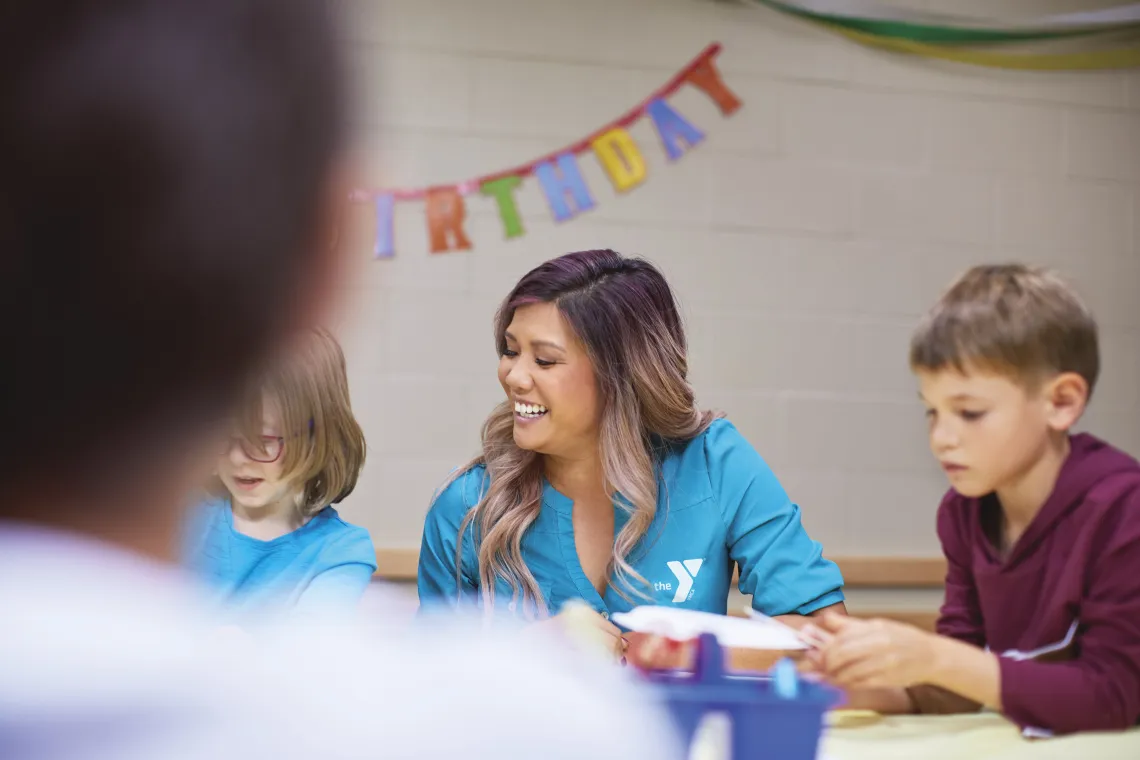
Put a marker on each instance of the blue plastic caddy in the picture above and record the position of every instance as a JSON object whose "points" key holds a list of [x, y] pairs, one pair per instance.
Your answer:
{"points": [[733, 716]]}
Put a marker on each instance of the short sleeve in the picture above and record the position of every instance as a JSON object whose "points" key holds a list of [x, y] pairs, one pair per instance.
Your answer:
{"points": [[437, 580], [781, 567], [347, 567]]}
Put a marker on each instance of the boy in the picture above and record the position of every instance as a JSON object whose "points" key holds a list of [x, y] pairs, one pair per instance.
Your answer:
{"points": [[168, 179], [1041, 528]]}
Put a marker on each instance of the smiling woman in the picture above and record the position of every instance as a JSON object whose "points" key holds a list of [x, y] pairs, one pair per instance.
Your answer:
{"points": [[601, 479]]}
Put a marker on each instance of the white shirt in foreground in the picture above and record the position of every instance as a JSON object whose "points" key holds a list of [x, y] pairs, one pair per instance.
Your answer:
{"points": [[105, 655]]}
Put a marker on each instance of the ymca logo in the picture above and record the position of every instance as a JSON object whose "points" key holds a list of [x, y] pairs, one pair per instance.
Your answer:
{"points": [[685, 572]]}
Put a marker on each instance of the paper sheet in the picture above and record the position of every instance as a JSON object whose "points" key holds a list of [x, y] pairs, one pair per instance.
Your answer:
{"points": [[741, 633]]}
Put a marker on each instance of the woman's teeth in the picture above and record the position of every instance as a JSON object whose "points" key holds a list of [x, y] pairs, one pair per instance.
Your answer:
{"points": [[530, 411]]}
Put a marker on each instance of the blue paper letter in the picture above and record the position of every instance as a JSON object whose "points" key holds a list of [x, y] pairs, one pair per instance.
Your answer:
{"points": [[384, 247], [670, 126], [558, 181]]}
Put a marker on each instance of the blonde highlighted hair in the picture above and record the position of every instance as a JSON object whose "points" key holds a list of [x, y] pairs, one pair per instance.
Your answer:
{"points": [[625, 315], [324, 447], [1023, 322]]}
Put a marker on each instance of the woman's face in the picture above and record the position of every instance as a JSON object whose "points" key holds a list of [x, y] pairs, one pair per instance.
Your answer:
{"points": [[549, 378], [252, 482]]}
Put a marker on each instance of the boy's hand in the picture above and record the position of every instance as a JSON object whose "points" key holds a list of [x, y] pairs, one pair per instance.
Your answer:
{"points": [[868, 654]]}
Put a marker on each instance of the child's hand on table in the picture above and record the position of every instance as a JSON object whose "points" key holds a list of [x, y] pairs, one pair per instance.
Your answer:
{"points": [[869, 654]]}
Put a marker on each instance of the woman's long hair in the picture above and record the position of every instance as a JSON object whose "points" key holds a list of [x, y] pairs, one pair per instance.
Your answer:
{"points": [[624, 313]]}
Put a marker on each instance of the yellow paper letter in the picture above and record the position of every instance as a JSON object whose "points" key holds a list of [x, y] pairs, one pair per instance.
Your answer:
{"points": [[619, 156]]}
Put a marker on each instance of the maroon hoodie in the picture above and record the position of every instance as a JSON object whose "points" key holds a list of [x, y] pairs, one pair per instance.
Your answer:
{"points": [[1063, 608]]}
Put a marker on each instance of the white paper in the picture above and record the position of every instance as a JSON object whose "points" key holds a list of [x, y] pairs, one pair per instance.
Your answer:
{"points": [[742, 633]]}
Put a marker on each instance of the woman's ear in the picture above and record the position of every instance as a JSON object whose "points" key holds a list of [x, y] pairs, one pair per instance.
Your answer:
{"points": [[1067, 396]]}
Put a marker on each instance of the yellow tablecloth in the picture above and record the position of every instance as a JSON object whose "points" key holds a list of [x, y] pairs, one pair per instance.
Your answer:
{"points": [[985, 736]]}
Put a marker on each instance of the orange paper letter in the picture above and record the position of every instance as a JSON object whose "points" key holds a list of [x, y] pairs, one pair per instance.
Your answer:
{"points": [[445, 214], [619, 156], [706, 78]]}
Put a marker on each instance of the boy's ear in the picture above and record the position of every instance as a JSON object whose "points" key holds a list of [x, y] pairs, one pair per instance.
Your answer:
{"points": [[1066, 395]]}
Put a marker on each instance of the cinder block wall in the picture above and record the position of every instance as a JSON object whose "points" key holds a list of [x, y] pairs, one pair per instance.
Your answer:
{"points": [[804, 236]]}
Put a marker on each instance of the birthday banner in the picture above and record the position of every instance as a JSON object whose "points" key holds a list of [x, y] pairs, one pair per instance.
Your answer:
{"points": [[558, 173]]}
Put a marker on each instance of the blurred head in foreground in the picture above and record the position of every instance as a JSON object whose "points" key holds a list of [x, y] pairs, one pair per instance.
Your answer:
{"points": [[166, 211]]}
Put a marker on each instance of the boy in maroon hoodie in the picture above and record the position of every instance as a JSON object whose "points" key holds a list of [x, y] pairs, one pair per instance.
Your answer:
{"points": [[1041, 528]]}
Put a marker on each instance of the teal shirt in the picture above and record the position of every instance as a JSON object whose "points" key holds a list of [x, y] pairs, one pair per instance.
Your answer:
{"points": [[718, 505], [325, 565]]}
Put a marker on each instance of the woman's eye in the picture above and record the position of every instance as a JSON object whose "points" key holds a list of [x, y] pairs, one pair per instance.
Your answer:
{"points": [[544, 363], [970, 416], [509, 353]]}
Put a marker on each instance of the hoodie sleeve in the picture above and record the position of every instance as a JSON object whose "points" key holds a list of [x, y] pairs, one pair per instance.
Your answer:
{"points": [[961, 614], [1100, 689]]}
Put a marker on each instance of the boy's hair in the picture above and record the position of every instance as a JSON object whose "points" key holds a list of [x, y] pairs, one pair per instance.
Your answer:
{"points": [[324, 444], [165, 164], [1024, 322]]}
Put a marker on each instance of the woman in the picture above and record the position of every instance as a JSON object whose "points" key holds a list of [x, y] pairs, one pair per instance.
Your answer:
{"points": [[600, 479]]}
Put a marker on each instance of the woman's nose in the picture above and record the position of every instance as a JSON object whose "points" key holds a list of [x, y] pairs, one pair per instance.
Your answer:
{"points": [[518, 378]]}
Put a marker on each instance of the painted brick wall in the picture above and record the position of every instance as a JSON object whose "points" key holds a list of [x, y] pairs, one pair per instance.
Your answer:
{"points": [[804, 236]]}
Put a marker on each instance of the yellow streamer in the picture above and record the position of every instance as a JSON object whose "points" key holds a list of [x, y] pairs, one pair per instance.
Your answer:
{"points": [[1119, 58]]}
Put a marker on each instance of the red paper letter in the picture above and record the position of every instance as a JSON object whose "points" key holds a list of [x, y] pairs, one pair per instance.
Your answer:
{"points": [[445, 215], [706, 78]]}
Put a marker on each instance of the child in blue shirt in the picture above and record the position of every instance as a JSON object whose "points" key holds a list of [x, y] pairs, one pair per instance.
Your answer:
{"points": [[269, 540], [601, 480]]}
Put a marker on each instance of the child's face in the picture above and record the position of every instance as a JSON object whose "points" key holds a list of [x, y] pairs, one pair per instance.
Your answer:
{"points": [[985, 429], [257, 484]]}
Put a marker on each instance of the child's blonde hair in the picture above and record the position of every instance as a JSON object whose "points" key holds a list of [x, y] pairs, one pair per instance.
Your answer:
{"points": [[1023, 322], [324, 446]]}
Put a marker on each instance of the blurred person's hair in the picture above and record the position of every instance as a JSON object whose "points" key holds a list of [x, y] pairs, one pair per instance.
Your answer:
{"points": [[165, 172]]}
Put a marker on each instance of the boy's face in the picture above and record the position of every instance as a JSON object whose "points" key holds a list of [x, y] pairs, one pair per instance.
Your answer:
{"points": [[985, 429]]}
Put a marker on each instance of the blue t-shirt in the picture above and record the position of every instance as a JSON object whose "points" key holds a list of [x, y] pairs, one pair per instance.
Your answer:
{"points": [[326, 564], [718, 505]]}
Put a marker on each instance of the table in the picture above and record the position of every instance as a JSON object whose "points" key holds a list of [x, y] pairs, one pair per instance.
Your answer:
{"points": [[982, 736]]}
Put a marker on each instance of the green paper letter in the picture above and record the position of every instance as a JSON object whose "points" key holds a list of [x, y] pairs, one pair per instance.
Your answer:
{"points": [[502, 190]]}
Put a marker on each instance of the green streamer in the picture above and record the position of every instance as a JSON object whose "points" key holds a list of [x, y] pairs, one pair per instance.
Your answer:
{"points": [[937, 34]]}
